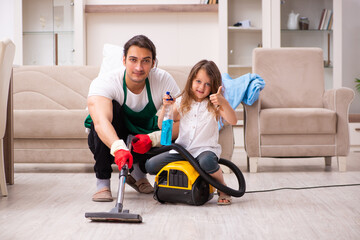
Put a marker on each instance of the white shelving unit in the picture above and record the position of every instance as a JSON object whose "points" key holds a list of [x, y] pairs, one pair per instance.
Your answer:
{"points": [[48, 24], [312, 9], [50, 32], [269, 29], [237, 43]]}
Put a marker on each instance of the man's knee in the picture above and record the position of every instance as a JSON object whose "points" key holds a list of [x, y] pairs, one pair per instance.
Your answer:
{"points": [[150, 168]]}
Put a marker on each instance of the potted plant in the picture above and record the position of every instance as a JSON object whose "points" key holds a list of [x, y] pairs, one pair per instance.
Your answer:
{"points": [[357, 81]]}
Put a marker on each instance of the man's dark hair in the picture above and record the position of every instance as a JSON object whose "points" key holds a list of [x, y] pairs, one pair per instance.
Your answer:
{"points": [[142, 42]]}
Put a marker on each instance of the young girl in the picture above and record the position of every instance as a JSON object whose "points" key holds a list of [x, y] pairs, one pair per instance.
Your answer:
{"points": [[198, 108]]}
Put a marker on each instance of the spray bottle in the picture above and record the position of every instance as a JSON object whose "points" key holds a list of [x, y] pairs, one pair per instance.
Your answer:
{"points": [[167, 124]]}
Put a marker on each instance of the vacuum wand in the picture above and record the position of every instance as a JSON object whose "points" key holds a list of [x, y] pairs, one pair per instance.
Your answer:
{"points": [[120, 198]]}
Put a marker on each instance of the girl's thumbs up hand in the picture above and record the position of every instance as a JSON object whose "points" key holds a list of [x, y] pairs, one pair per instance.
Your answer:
{"points": [[219, 90], [217, 98]]}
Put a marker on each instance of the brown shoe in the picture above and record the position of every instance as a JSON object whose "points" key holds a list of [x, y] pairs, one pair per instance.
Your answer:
{"points": [[141, 186], [103, 195]]}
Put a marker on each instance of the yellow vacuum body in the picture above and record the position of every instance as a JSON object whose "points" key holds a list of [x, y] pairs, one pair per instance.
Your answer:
{"points": [[179, 182]]}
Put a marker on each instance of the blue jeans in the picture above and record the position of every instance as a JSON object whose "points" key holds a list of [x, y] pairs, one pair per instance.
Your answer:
{"points": [[208, 162]]}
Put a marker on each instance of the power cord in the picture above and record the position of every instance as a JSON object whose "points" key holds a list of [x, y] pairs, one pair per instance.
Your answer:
{"points": [[303, 188]]}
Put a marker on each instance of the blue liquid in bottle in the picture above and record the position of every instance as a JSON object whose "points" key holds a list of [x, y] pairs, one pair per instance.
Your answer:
{"points": [[167, 124], [166, 132]]}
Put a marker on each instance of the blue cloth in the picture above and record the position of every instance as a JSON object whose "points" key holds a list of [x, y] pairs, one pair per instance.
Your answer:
{"points": [[245, 88]]}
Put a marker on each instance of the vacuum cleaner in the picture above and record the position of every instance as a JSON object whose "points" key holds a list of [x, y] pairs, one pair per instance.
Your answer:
{"points": [[186, 182]]}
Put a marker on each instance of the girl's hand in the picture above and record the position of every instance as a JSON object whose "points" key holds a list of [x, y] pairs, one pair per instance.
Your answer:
{"points": [[167, 100], [217, 99], [225, 109]]}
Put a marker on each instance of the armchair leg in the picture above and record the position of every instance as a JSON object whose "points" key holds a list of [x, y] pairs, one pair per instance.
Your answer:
{"points": [[3, 187], [327, 161], [252, 165], [341, 163], [248, 163]]}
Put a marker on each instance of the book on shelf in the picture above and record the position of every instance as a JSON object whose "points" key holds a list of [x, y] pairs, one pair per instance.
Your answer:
{"points": [[211, 1], [330, 27], [330, 21], [321, 19], [326, 20]]}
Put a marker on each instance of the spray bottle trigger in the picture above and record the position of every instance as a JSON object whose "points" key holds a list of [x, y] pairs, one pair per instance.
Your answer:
{"points": [[171, 98]]}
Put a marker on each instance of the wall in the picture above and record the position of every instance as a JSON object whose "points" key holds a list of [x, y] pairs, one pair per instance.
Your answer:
{"points": [[351, 49], [6, 19], [180, 38], [10, 19]]}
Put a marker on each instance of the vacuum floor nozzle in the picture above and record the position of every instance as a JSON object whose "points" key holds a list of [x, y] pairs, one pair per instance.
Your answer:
{"points": [[117, 214], [114, 217]]}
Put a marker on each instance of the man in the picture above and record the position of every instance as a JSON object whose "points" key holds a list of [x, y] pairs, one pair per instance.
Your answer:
{"points": [[122, 103]]}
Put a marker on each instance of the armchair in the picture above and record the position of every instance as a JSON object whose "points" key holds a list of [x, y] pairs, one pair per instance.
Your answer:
{"points": [[7, 52], [294, 115]]}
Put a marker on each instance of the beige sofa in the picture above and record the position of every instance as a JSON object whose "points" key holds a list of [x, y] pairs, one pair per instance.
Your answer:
{"points": [[49, 112]]}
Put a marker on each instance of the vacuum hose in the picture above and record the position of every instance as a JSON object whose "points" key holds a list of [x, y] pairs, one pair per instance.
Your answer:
{"points": [[185, 154]]}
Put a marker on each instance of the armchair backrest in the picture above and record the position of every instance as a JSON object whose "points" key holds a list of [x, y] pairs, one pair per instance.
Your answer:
{"points": [[294, 77], [7, 53]]}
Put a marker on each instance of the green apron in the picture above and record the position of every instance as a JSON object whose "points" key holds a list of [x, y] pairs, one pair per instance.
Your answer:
{"points": [[142, 122]]}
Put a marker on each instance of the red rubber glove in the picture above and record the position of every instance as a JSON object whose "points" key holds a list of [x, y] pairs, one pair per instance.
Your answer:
{"points": [[123, 156], [141, 143]]}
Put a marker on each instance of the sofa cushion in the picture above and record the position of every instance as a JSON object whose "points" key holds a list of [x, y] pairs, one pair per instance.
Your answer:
{"points": [[297, 121], [49, 123], [52, 87]]}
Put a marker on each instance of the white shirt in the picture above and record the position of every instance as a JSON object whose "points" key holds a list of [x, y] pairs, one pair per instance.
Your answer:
{"points": [[110, 85], [198, 131]]}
